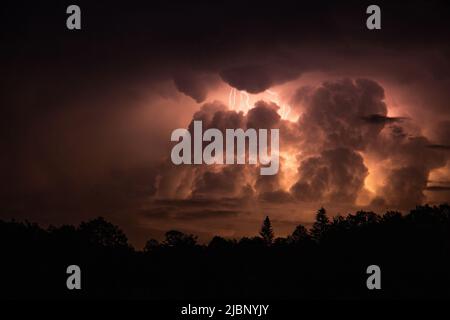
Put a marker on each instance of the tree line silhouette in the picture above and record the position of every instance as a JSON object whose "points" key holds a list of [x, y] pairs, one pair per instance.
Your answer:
{"points": [[329, 260]]}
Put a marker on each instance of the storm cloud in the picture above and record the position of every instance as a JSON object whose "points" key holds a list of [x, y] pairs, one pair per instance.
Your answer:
{"points": [[87, 116]]}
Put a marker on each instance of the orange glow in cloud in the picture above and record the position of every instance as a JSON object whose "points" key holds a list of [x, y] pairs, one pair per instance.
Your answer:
{"points": [[289, 169], [240, 100]]}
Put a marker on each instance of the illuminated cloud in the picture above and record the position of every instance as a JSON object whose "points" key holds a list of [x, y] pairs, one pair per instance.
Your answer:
{"points": [[86, 119]]}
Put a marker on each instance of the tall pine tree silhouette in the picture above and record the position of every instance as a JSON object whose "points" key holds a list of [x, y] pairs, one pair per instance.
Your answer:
{"points": [[267, 231], [320, 225]]}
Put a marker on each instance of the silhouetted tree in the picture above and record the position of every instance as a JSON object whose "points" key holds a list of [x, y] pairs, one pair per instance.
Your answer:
{"points": [[176, 238], [220, 243], [418, 242], [338, 225], [392, 217], [280, 242], [362, 218], [151, 245], [321, 225], [99, 232], [299, 235], [267, 231], [254, 242]]}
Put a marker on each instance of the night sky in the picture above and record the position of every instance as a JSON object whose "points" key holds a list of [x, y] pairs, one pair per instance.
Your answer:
{"points": [[87, 115]]}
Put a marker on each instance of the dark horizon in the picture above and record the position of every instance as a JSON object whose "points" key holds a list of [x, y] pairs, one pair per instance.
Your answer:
{"points": [[329, 261], [198, 240]]}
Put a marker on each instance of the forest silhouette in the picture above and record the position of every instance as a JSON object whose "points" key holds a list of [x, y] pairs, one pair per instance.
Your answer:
{"points": [[328, 260]]}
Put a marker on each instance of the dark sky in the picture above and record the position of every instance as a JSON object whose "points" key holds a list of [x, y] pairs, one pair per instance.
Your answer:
{"points": [[87, 115]]}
